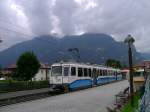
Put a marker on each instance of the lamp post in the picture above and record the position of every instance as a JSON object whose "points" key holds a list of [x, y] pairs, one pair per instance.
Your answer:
{"points": [[130, 40]]}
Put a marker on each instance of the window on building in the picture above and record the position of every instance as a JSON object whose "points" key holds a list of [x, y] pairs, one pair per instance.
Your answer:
{"points": [[42, 71], [47, 71]]}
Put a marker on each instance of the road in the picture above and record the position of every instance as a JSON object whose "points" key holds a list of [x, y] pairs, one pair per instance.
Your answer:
{"points": [[89, 100]]}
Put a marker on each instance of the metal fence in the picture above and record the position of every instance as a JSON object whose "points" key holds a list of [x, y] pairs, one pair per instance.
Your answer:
{"points": [[145, 101]]}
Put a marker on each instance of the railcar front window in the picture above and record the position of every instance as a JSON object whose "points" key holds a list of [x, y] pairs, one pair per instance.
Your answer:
{"points": [[56, 71], [137, 74]]}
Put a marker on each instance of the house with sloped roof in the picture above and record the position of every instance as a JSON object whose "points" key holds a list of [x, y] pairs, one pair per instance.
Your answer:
{"points": [[43, 73]]}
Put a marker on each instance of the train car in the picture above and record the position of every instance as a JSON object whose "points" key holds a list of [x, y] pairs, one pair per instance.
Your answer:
{"points": [[138, 79], [71, 75]]}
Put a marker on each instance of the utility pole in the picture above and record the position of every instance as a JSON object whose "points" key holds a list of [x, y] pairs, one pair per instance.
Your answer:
{"points": [[130, 40]]}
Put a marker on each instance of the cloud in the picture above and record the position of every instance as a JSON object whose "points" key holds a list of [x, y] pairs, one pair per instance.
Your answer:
{"points": [[11, 31], [38, 13], [118, 18], [66, 17]]}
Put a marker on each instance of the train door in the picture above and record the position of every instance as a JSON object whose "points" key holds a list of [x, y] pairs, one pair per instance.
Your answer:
{"points": [[66, 74], [94, 74]]}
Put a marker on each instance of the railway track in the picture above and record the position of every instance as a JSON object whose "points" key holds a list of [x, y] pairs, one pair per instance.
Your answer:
{"points": [[25, 98]]}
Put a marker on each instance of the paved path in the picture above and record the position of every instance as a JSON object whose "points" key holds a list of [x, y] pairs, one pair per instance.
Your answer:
{"points": [[90, 100]]}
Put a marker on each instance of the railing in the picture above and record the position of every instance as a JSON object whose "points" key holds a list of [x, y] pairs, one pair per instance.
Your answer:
{"points": [[145, 101]]}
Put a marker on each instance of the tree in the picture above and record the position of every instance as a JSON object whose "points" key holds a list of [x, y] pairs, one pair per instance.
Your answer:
{"points": [[113, 63], [27, 66]]}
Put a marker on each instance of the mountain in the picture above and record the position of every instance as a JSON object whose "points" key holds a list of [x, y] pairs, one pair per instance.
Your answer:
{"points": [[93, 48], [146, 55]]}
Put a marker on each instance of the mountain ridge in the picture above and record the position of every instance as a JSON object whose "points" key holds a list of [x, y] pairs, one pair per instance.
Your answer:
{"points": [[93, 48]]}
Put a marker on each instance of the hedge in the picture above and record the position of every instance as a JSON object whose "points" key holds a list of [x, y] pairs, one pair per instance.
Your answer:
{"points": [[12, 86]]}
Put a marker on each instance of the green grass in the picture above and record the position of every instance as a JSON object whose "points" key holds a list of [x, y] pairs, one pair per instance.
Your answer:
{"points": [[128, 107]]}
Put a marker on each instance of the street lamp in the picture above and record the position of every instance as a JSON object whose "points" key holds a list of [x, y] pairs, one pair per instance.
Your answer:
{"points": [[77, 51], [130, 40]]}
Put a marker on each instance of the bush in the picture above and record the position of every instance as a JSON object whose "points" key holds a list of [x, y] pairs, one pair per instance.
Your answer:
{"points": [[128, 107]]}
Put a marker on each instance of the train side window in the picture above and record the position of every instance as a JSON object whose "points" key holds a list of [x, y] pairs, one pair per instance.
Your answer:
{"points": [[85, 72], [80, 72], [66, 71], [111, 73], [97, 72], [89, 72], [100, 72], [94, 72], [104, 73], [73, 71], [108, 72]]}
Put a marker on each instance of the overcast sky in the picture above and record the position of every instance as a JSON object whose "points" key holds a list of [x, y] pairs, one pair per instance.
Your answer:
{"points": [[24, 19]]}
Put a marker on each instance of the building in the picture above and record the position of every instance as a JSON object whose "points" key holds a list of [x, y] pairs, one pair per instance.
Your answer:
{"points": [[43, 73], [8, 71], [144, 64]]}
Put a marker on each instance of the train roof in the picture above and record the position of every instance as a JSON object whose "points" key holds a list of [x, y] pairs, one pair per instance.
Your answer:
{"points": [[140, 70], [83, 64]]}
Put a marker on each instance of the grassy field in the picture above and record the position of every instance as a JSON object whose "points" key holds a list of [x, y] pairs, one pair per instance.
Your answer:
{"points": [[129, 108]]}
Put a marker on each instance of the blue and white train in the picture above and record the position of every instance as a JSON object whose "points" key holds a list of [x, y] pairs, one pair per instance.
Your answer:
{"points": [[71, 75]]}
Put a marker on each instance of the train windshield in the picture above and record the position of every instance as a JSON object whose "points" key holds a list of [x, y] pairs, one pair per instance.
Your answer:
{"points": [[56, 71], [138, 74]]}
